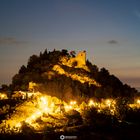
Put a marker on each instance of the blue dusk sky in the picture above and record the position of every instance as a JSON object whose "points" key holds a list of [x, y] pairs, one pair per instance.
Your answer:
{"points": [[109, 30]]}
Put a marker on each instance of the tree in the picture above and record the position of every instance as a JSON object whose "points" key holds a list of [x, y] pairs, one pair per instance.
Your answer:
{"points": [[73, 53], [65, 52], [22, 70], [4, 87], [45, 52], [32, 60], [74, 118]]}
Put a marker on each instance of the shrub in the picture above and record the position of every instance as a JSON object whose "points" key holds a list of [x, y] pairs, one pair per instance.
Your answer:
{"points": [[74, 118]]}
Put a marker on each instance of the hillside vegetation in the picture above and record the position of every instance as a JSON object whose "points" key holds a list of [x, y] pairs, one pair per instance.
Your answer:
{"points": [[65, 75]]}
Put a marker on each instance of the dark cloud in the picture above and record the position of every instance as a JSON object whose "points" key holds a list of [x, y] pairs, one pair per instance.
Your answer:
{"points": [[10, 41], [112, 42]]}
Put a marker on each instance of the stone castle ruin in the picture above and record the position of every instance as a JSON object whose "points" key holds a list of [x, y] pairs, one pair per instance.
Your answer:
{"points": [[78, 61]]}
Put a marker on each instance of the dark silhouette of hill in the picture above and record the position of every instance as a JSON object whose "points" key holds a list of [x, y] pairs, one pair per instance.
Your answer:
{"points": [[59, 74]]}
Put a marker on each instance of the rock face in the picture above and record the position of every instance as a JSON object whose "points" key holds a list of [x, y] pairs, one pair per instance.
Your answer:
{"points": [[82, 79]]}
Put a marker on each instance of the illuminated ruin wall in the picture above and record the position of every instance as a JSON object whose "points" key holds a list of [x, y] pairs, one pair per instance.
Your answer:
{"points": [[80, 59], [78, 62]]}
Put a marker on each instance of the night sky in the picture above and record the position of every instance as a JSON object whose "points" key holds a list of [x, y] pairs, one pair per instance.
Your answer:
{"points": [[109, 30]]}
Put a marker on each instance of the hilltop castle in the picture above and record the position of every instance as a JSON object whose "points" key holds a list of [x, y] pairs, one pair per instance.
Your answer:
{"points": [[78, 61]]}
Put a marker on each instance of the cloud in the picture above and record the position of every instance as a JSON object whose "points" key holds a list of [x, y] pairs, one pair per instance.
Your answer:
{"points": [[112, 42], [10, 41]]}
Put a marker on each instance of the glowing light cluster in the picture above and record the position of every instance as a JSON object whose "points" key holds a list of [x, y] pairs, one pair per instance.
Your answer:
{"points": [[71, 105], [105, 104], [73, 102], [42, 107], [47, 105], [93, 103], [136, 104], [3, 96], [138, 101], [108, 102]]}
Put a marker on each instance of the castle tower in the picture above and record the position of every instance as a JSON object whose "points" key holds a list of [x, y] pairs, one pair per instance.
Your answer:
{"points": [[81, 58]]}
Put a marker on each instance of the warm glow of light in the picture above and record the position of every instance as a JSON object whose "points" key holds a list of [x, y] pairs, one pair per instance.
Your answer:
{"points": [[45, 107], [3, 96], [108, 102], [99, 110], [73, 103], [46, 110], [91, 103], [138, 101], [68, 107], [136, 104], [79, 78], [39, 113], [33, 117], [43, 100], [18, 125]]}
